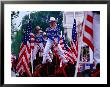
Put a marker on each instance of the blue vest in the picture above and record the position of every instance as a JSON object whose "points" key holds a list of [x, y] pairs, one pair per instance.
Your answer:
{"points": [[53, 33], [39, 39]]}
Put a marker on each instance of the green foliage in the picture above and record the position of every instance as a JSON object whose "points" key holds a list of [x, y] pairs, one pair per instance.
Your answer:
{"points": [[15, 46], [14, 15], [41, 18]]}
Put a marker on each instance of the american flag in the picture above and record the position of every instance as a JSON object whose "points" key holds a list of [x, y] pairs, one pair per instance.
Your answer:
{"points": [[88, 29], [25, 51], [74, 41], [67, 51]]}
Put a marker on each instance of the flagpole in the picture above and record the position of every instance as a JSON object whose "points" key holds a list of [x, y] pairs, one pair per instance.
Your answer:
{"points": [[79, 51], [31, 61], [31, 54], [77, 63]]}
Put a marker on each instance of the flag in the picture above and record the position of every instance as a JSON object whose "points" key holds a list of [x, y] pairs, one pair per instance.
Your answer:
{"points": [[25, 51], [67, 51], [96, 35], [74, 41], [88, 29]]}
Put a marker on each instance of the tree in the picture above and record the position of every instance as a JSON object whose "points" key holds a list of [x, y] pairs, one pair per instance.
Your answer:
{"points": [[41, 18], [15, 46], [14, 15]]}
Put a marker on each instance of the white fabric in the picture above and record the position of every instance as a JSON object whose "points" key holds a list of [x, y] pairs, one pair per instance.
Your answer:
{"points": [[36, 48], [47, 49], [89, 24], [96, 28]]}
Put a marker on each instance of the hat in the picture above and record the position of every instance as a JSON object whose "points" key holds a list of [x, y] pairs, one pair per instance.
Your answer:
{"points": [[52, 19], [38, 28], [44, 33]]}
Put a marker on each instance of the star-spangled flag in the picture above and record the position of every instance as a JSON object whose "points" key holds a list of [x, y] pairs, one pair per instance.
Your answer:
{"points": [[74, 41], [25, 51], [67, 51]]}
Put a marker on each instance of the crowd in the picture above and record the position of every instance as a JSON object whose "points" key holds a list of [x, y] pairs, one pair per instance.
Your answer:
{"points": [[53, 69]]}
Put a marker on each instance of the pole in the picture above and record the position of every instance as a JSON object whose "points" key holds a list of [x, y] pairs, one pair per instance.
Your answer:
{"points": [[29, 15], [79, 49], [31, 54], [31, 61]]}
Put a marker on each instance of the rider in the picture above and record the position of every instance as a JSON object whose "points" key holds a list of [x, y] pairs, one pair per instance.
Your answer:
{"points": [[53, 34], [38, 42]]}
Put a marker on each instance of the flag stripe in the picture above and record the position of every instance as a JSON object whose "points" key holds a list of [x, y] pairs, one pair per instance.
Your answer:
{"points": [[67, 51], [27, 56], [90, 13], [87, 41], [22, 48], [28, 47], [87, 35], [89, 30], [74, 48], [21, 70], [26, 67], [89, 24], [90, 18], [21, 56], [18, 65], [74, 42]]}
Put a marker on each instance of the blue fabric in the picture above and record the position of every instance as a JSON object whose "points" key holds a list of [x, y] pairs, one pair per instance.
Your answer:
{"points": [[27, 31], [53, 33], [74, 33], [39, 38]]}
